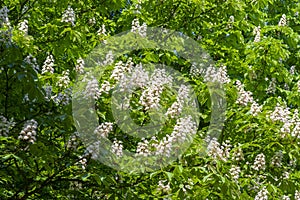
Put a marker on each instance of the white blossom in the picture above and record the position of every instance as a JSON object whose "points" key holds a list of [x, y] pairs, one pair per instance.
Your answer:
{"points": [[79, 67], [93, 149], [244, 97], [63, 98], [5, 126], [28, 133], [280, 114], [218, 151], [277, 159], [256, 32], [72, 142], [117, 148], [143, 148], [285, 175], [64, 80], [292, 70], [213, 74], [102, 30], [92, 89], [23, 26], [138, 78], [109, 59], [177, 106], [262, 194], [259, 162], [32, 61], [235, 172], [139, 29], [69, 16], [151, 95], [121, 69], [282, 21], [285, 197], [83, 162], [105, 87], [238, 155], [272, 87], [92, 21], [48, 65], [184, 128], [255, 109], [162, 187], [104, 129], [297, 195]]}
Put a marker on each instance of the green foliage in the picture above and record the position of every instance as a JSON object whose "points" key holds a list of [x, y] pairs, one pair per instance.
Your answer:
{"points": [[51, 168]]}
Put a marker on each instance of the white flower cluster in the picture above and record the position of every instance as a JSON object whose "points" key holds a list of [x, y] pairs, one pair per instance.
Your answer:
{"points": [[212, 74], [138, 78], [297, 195], [4, 21], [217, 151], [143, 148], [262, 194], [79, 67], [121, 68], [23, 26], [63, 98], [83, 162], [285, 197], [105, 87], [151, 95], [69, 16], [32, 61], [188, 185], [102, 30], [256, 32], [48, 92], [255, 109], [184, 128], [139, 29], [259, 162], [64, 80], [104, 129], [276, 159], [195, 71], [298, 86], [162, 187], [230, 21], [93, 149], [92, 21], [117, 148], [109, 59], [5, 125], [48, 65], [177, 106], [296, 122], [292, 70], [238, 155], [244, 97], [285, 175], [235, 172], [282, 21], [280, 114], [138, 7], [28, 132], [92, 89], [272, 87], [72, 142]]}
